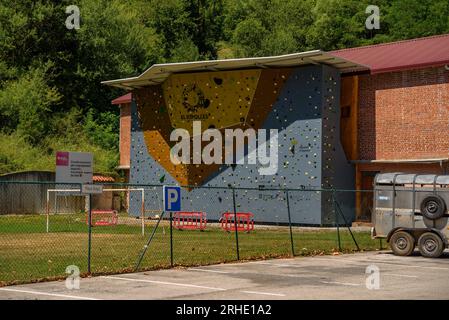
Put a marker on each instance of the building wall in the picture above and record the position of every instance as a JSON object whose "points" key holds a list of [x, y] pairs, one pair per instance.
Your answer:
{"points": [[404, 115], [302, 103], [349, 116], [21, 193], [125, 133], [26, 193]]}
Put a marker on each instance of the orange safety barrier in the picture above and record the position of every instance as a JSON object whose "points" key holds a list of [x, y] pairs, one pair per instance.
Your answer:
{"points": [[103, 218], [245, 221], [184, 220]]}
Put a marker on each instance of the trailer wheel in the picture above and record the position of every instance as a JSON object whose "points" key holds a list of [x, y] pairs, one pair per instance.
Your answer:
{"points": [[402, 243], [433, 207], [430, 245]]}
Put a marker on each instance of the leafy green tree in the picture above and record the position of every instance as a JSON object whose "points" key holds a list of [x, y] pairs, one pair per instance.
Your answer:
{"points": [[50, 93], [207, 19], [171, 23], [272, 27], [337, 24], [249, 36], [186, 50], [112, 42], [26, 103], [102, 130], [413, 18]]}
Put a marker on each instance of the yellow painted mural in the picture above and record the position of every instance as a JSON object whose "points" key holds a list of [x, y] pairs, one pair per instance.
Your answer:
{"points": [[218, 99]]}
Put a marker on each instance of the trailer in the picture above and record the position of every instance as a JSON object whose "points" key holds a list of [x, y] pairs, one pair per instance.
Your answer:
{"points": [[412, 210]]}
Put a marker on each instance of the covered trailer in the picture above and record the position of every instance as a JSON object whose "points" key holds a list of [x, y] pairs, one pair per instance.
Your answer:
{"points": [[412, 210]]}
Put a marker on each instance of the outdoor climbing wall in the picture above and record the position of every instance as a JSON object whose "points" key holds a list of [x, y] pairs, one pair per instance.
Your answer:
{"points": [[302, 103]]}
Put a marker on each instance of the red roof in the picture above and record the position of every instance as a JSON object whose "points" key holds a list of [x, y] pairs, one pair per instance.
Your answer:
{"points": [[123, 99], [400, 55], [98, 178]]}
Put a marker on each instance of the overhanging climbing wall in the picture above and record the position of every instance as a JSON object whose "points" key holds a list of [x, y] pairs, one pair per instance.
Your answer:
{"points": [[302, 103]]}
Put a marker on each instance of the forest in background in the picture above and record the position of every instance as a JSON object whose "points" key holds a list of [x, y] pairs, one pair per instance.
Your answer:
{"points": [[50, 93]]}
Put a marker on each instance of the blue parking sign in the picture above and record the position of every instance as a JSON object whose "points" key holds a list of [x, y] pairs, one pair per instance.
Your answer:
{"points": [[172, 198]]}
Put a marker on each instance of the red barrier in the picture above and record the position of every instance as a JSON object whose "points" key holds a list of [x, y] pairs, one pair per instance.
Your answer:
{"points": [[189, 220], [245, 221], [103, 218]]}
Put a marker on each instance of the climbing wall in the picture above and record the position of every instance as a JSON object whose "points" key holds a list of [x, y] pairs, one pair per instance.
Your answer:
{"points": [[302, 103]]}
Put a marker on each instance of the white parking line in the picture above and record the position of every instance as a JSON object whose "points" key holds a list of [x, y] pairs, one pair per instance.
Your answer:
{"points": [[302, 276], [207, 270], [48, 294], [376, 261], [264, 293], [342, 283], [164, 282], [190, 285], [398, 275], [273, 264], [402, 265]]}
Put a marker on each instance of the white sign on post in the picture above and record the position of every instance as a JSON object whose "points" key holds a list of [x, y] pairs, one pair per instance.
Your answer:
{"points": [[74, 167], [92, 189]]}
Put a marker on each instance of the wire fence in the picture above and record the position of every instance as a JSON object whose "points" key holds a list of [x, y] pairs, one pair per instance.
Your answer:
{"points": [[45, 227]]}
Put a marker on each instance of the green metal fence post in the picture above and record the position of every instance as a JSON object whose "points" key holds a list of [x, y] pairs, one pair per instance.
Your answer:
{"points": [[290, 223], [346, 223], [334, 200], [89, 241], [235, 225], [145, 247]]}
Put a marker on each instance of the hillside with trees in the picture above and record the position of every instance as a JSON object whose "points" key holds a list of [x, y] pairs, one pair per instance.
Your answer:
{"points": [[50, 93]]}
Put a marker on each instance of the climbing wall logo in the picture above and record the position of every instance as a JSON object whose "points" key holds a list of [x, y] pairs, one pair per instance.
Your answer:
{"points": [[193, 98]]}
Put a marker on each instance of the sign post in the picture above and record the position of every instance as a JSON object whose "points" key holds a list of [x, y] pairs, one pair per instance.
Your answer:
{"points": [[172, 203], [77, 167]]}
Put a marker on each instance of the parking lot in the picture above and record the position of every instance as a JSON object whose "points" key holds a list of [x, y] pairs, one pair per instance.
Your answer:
{"points": [[319, 277]]}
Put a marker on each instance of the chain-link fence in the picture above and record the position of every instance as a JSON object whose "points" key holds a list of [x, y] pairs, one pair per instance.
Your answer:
{"points": [[45, 227]]}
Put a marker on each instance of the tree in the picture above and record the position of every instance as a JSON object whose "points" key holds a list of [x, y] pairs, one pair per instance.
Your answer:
{"points": [[249, 36], [26, 103], [207, 19], [413, 19]]}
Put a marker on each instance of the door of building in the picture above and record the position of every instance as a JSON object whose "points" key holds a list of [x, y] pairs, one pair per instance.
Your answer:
{"points": [[367, 195]]}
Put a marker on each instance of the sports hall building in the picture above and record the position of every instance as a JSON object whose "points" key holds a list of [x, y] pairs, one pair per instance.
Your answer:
{"points": [[341, 116]]}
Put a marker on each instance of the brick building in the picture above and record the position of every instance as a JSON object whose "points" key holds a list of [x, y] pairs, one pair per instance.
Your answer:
{"points": [[400, 121], [124, 102], [393, 117]]}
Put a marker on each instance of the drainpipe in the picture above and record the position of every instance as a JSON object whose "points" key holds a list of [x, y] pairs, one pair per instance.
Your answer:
{"points": [[443, 167]]}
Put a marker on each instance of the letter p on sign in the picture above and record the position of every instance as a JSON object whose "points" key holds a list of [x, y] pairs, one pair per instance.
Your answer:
{"points": [[172, 198]]}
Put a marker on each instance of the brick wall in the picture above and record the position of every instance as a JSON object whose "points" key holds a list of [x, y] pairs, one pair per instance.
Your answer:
{"points": [[404, 115], [125, 133]]}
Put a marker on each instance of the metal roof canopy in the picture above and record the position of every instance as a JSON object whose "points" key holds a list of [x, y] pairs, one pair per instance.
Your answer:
{"points": [[158, 73]]}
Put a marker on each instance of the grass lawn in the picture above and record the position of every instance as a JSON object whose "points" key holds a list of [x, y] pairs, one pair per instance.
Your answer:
{"points": [[28, 253]]}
